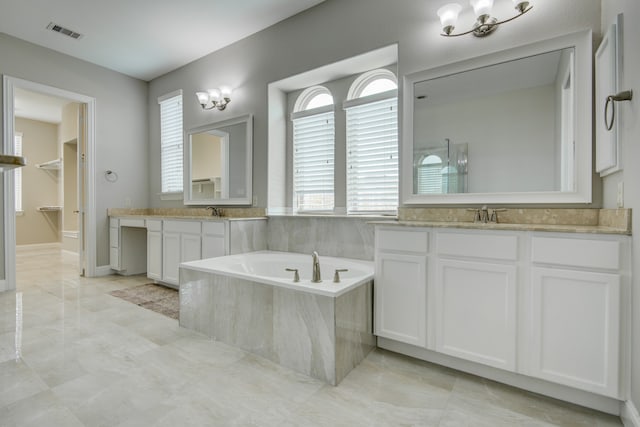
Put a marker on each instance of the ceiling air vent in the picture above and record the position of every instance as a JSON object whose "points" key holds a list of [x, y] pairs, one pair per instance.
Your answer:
{"points": [[62, 30]]}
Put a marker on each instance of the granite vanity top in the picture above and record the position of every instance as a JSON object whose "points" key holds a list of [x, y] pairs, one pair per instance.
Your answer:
{"points": [[597, 221], [230, 214]]}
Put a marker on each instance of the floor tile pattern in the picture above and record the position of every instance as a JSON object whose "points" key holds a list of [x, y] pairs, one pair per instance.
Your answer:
{"points": [[72, 355]]}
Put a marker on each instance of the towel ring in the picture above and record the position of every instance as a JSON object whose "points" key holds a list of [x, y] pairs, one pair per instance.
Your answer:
{"points": [[626, 95]]}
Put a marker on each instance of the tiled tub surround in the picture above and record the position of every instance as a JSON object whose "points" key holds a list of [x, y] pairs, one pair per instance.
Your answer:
{"points": [[323, 332], [339, 236]]}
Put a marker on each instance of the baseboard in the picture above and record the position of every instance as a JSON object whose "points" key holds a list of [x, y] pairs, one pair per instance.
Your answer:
{"points": [[629, 414], [103, 270], [52, 245]]}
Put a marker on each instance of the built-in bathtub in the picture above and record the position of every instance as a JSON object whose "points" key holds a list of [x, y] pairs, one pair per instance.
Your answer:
{"points": [[250, 301]]}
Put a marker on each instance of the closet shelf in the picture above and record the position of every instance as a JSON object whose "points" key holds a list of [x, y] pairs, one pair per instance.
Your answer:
{"points": [[50, 165], [49, 208]]}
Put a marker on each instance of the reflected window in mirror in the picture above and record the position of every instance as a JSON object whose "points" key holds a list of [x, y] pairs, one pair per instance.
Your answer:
{"points": [[372, 143], [441, 168], [313, 150], [171, 144]]}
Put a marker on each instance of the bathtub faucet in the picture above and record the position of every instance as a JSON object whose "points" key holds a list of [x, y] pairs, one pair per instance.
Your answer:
{"points": [[316, 268]]}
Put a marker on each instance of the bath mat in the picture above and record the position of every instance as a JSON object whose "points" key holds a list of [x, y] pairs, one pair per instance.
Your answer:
{"points": [[153, 297]]}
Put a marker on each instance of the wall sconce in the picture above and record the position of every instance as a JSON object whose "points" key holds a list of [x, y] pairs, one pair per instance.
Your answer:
{"points": [[218, 98], [485, 24]]}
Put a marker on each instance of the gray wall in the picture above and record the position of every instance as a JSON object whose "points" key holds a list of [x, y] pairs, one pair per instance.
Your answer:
{"points": [[329, 32], [121, 125], [629, 115]]}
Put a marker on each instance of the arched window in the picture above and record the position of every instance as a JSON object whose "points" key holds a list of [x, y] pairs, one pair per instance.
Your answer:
{"points": [[313, 150], [430, 175], [372, 143]]}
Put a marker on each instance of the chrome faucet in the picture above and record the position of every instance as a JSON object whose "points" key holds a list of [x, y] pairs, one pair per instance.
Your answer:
{"points": [[315, 278], [215, 211]]}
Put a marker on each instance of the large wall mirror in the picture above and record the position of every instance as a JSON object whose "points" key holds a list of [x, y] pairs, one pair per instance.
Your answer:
{"points": [[218, 163], [509, 127]]}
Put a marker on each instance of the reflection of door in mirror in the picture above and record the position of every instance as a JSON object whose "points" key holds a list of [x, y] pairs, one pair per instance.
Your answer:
{"points": [[209, 179]]}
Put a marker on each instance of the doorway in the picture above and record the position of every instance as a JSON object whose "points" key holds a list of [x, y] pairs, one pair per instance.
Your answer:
{"points": [[71, 210]]}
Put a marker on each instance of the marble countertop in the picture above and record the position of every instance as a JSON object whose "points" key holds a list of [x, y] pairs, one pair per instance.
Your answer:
{"points": [[187, 217], [558, 228]]}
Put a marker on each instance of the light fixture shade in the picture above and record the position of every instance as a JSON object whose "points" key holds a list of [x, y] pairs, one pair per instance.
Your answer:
{"points": [[203, 97], [448, 15], [521, 5], [214, 94], [481, 7], [225, 91]]}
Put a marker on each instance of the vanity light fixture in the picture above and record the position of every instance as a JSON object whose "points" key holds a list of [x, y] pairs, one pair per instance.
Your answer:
{"points": [[485, 23], [218, 98]]}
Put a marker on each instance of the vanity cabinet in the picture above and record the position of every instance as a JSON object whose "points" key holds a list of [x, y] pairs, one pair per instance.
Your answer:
{"points": [[476, 297], [181, 242], [544, 305], [213, 239], [576, 313], [127, 254], [400, 285]]}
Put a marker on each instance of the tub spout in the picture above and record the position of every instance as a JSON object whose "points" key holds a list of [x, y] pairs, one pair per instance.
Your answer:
{"points": [[316, 268]]}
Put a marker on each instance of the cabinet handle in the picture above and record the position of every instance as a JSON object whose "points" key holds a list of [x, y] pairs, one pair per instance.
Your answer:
{"points": [[626, 95]]}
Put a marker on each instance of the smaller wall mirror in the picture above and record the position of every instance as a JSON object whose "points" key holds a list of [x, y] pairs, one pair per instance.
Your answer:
{"points": [[218, 163]]}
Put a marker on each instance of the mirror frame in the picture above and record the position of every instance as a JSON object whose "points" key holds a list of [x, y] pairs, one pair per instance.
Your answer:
{"points": [[187, 163], [582, 44]]}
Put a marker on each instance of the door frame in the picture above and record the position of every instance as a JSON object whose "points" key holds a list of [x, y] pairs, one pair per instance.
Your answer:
{"points": [[9, 84]]}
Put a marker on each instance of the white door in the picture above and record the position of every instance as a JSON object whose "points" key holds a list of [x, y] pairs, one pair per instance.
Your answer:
{"points": [[401, 298], [576, 328], [476, 312], [81, 190]]}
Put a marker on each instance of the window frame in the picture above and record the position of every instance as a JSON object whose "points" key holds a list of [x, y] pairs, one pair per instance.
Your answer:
{"points": [[300, 113], [163, 101], [355, 100]]}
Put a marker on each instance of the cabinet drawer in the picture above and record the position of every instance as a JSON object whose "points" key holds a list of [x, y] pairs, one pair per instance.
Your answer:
{"points": [[576, 252], [192, 227], [213, 227], [154, 225], [491, 246], [132, 222], [409, 240], [114, 237]]}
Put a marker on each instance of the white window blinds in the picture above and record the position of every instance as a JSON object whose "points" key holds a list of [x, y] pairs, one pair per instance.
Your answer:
{"points": [[17, 177], [313, 162], [171, 140], [372, 156]]}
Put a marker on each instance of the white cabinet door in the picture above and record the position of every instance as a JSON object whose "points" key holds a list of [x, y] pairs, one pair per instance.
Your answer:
{"points": [[170, 257], [213, 246], [576, 328], [190, 247], [401, 297], [476, 312], [154, 255]]}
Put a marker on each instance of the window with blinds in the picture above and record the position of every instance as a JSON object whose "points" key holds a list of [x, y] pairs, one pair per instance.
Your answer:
{"points": [[372, 156], [17, 177], [313, 162], [171, 140], [430, 175]]}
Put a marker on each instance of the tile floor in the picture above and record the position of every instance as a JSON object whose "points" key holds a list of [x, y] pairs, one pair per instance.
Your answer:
{"points": [[73, 355]]}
